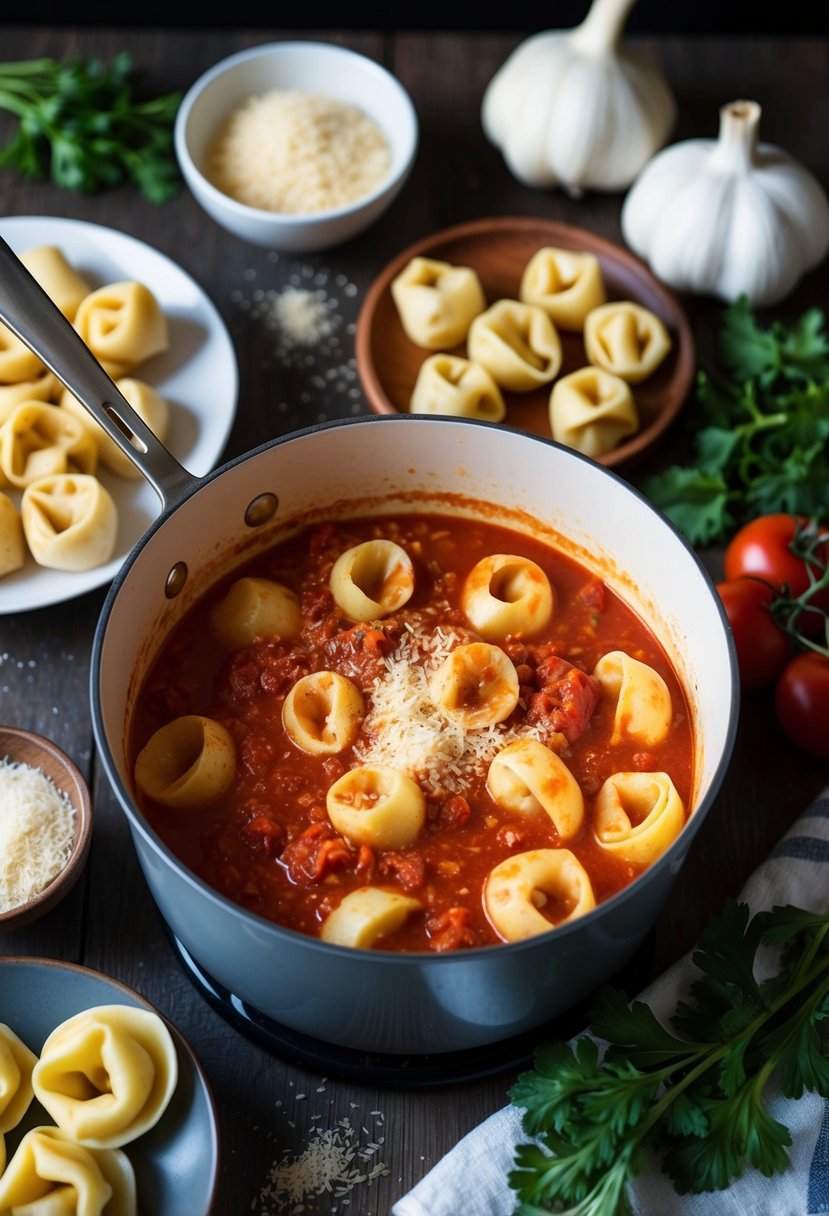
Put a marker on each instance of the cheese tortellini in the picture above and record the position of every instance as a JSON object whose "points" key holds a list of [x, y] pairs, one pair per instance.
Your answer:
{"points": [[476, 685], [37, 440], [17, 1062], [437, 301], [627, 339], [150, 407], [592, 410], [637, 816], [372, 580], [518, 888], [123, 325], [254, 608], [70, 521], [518, 345], [107, 1074], [44, 386], [450, 384], [566, 284], [17, 361], [643, 701], [504, 594], [365, 916], [51, 1174], [322, 713], [12, 540], [376, 805], [63, 284], [526, 777], [187, 763]]}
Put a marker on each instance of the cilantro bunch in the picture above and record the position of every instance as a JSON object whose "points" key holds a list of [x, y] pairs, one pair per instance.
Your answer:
{"points": [[694, 1100], [764, 443], [81, 126]]}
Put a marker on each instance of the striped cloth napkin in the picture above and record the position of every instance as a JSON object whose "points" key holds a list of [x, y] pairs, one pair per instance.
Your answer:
{"points": [[471, 1180]]}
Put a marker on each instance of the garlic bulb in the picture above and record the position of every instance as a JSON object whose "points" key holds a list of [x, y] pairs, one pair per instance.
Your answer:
{"points": [[730, 216], [573, 108]]}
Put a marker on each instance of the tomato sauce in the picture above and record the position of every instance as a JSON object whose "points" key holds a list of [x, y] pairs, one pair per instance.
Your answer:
{"points": [[268, 845]]}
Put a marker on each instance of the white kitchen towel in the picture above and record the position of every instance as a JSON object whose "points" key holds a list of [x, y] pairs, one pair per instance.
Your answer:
{"points": [[471, 1180]]}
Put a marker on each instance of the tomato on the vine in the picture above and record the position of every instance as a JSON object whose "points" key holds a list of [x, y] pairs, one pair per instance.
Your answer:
{"points": [[761, 548], [762, 647], [801, 701]]}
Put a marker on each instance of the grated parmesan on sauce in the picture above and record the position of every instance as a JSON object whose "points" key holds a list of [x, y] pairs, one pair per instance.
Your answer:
{"points": [[36, 832], [298, 153]]}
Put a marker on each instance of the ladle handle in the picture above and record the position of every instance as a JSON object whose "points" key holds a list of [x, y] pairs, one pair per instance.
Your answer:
{"points": [[30, 313]]}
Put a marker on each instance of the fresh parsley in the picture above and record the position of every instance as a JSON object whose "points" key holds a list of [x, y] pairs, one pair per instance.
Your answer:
{"points": [[691, 1097], [764, 443], [81, 126]]}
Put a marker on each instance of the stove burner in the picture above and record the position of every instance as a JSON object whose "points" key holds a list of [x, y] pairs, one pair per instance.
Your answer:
{"points": [[398, 1071]]}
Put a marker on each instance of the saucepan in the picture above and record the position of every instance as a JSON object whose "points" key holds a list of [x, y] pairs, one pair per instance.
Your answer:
{"points": [[376, 1000]]}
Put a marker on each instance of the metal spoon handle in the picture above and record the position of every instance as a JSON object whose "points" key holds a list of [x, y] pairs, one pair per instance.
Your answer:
{"points": [[37, 321]]}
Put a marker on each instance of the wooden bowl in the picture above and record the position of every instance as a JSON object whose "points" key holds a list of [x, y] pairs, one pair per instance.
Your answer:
{"points": [[499, 249], [37, 752]]}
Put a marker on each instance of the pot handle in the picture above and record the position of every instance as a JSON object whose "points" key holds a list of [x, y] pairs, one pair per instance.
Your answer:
{"points": [[30, 313]]}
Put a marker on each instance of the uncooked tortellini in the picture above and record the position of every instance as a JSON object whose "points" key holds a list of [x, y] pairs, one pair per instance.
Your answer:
{"points": [[51, 1174], [436, 301], [637, 816], [44, 386], [187, 763], [107, 1074], [518, 887], [63, 284], [450, 384], [12, 540], [517, 344], [504, 594], [566, 284], [627, 339], [17, 361], [39, 440], [70, 521], [592, 411], [150, 407], [16, 1064], [365, 916], [123, 325]]}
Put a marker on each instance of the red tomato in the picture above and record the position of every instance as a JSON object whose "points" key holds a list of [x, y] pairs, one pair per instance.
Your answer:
{"points": [[762, 648], [761, 548], [801, 699]]}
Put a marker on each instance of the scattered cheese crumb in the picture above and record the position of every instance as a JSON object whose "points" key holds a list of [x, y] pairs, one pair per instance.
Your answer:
{"points": [[333, 1162], [298, 153], [36, 832]]}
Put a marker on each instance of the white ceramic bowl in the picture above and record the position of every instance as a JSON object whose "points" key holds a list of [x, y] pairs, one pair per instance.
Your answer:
{"points": [[313, 67]]}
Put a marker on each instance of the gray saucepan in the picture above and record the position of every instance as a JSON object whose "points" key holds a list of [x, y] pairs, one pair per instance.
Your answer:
{"points": [[375, 1000]]}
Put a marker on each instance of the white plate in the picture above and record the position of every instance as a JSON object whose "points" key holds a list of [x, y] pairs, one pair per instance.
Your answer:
{"points": [[180, 1155], [198, 375]]}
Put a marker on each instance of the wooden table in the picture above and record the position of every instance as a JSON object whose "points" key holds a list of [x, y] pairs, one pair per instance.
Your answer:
{"points": [[268, 1105]]}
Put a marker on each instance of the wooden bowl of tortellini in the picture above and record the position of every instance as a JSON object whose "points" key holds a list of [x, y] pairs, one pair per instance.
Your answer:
{"points": [[532, 324]]}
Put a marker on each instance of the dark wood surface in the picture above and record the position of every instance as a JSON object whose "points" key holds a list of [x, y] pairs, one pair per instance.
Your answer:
{"points": [[268, 1105]]}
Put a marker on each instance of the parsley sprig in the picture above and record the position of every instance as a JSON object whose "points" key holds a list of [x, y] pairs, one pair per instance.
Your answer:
{"points": [[764, 443], [81, 125], [692, 1097]]}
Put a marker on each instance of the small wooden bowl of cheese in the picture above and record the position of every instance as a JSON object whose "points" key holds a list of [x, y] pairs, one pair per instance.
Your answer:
{"points": [[45, 828]]}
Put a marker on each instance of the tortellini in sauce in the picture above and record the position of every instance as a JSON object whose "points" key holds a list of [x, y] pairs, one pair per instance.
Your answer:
{"points": [[627, 339], [436, 301], [376, 805], [637, 816], [255, 608], [39, 440], [526, 777], [322, 713], [16, 1092], [518, 888], [507, 595], [51, 1174], [365, 916], [566, 284], [70, 521], [450, 384], [187, 763], [517, 344], [643, 701], [592, 411], [476, 685], [123, 325], [107, 1074], [372, 580]]}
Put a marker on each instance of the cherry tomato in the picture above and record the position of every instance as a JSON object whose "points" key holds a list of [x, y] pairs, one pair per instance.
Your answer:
{"points": [[762, 648], [801, 700], [761, 548]]}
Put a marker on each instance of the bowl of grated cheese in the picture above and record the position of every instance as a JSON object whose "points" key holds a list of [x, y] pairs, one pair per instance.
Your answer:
{"points": [[298, 146], [45, 826]]}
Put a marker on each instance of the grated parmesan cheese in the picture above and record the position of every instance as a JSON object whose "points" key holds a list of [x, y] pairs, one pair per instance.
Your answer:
{"points": [[298, 153], [405, 729], [36, 832]]}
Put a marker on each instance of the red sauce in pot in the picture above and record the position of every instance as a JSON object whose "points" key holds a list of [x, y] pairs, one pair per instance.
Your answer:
{"points": [[268, 844]]}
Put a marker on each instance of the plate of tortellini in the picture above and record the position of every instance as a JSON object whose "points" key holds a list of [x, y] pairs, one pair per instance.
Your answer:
{"points": [[72, 505], [103, 1105], [533, 324]]}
